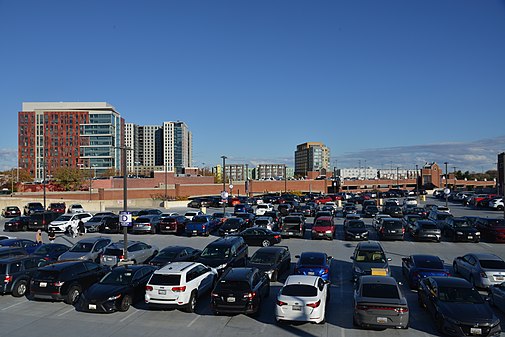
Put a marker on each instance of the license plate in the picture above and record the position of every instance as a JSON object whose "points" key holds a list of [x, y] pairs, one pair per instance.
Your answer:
{"points": [[378, 272], [108, 258], [499, 278], [382, 320], [392, 231], [357, 237], [162, 292], [92, 307], [430, 235], [297, 308], [476, 331], [321, 234], [43, 284], [195, 231], [310, 273], [230, 299], [106, 227]]}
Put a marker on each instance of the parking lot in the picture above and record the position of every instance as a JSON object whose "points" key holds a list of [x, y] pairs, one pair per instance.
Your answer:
{"points": [[20, 317]]}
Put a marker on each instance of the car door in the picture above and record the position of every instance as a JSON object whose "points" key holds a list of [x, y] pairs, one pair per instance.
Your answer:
{"points": [[323, 289], [430, 293], [466, 266]]}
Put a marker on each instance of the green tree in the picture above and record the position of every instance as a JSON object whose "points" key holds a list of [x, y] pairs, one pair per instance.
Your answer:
{"points": [[68, 178]]}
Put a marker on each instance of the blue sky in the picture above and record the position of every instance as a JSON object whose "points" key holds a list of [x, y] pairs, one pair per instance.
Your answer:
{"points": [[401, 81]]}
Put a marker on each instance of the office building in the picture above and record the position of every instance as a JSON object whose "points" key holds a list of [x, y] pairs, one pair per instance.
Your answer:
{"points": [[69, 134], [272, 171], [311, 156]]}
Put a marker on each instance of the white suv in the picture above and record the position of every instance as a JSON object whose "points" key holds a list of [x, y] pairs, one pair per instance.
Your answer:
{"points": [[64, 221], [179, 284], [262, 208]]}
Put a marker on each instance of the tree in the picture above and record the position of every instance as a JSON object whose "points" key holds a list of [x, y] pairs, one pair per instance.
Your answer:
{"points": [[110, 172], [68, 178]]}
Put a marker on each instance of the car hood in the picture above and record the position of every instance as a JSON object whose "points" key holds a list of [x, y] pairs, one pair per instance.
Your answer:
{"points": [[356, 230], [74, 255], [467, 312], [101, 292], [321, 228]]}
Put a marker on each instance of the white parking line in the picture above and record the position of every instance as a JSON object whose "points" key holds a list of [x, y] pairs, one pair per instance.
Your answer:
{"points": [[10, 306], [193, 321], [486, 244], [263, 327], [133, 313], [66, 312], [342, 332]]}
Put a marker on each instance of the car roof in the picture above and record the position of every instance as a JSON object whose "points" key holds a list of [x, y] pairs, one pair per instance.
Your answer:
{"points": [[237, 274], [425, 257], [368, 279], [225, 241], [94, 239], [485, 256], [315, 254], [175, 267], [15, 258], [301, 279], [451, 282], [370, 245], [275, 250], [175, 248], [59, 265], [120, 243]]}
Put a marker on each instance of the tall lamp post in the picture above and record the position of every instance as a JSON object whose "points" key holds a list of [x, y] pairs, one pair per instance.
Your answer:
{"points": [[397, 184], [285, 180], [445, 190], [225, 200]]}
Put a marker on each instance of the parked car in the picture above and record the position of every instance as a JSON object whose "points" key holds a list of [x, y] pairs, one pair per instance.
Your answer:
{"points": [[96, 223], [243, 208], [190, 214], [417, 267], [66, 221], [391, 229], [439, 217], [457, 308], [240, 290], [33, 207], [481, 269], [496, 204], [293, 226], [323, 228], [223, 253], [175, 224], [426, 230], [57, 207], [460, 229], [231, 226], [147, 224], [377, 219], [65, 280], [491, 229], [302, 298], [262, 208], [117, 290], [355, 230], [138, 252], [50, 251], [19, 223], [28, 245], [149, 211], [199, 225], [75, 208], [247, 217], [497, 296], [110, 224], [308, 211], [275, 215], [394, 211], [265, 222], [41, 220], [313, 263], [179, 285], [370, 211], [369, 258], [199, 203], [175, 254], [259, 236], [379, 303], [89, 249], [409, 222], [11, 212], [273, 261], [15, 273]]}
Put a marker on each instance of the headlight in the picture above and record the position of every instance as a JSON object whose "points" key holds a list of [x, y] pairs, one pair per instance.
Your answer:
{"points": [[82, 257], [452, 320], [459, 233], [357, 270], [113, 298], [221, 266], [269, 273], [477, 233]]}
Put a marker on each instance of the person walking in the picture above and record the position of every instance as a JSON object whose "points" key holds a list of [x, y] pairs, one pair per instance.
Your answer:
{"points": [[38, 237], [51, 235], [80, 227]]}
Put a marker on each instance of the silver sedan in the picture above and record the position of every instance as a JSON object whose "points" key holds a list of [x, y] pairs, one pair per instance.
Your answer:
{"points": [[481, 269]]}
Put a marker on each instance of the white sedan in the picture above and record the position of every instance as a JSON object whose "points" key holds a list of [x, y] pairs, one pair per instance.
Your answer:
{"points": [[302, 298]]}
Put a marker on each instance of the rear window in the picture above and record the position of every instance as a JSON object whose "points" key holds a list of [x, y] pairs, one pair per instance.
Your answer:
{"points": [[113, 252], [443, 216], [311, 260], [492, 264], [46, 275], [426, 225], [380, 291], [291, 219], [432, 264], [393, 225], [301, 290], [165, 280], [324, 223], [233, 285]]}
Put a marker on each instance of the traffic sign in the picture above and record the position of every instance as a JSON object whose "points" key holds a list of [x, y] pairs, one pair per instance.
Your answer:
{"points": [[447, 191], [231, 186], [224, 195], [125, 219]]}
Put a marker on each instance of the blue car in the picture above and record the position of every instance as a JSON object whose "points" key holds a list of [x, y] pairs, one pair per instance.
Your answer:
{"points": [[50, 251], [417, 267], [28, 245], [199, 225], [313, 263]]}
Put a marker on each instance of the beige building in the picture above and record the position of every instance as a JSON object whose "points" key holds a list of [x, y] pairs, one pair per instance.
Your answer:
{"points": [[311, 156]]}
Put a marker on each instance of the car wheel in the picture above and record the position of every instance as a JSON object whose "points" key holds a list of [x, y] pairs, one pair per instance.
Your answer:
{"points": [[455, 268], [190, 307], [126, 302], [24, 228], [20, 288], [274, 276], [265, 243], [73, 294], [355, 322]]}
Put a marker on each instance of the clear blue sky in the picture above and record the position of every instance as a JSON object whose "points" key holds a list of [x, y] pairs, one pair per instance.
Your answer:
{"points": [[402, 81]]}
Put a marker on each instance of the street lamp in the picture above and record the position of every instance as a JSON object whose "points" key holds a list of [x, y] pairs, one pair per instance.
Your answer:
{"points": [[397, 184], [445, 190], [285, 180], [225, 200]]}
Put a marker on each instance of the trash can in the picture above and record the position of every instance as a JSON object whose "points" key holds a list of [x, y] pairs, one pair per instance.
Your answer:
{"points": [[203, 209], [423, 197]]}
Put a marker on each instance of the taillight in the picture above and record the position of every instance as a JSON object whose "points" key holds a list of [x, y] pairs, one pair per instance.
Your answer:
{"points": [[325, 271], [204, 226], [58, 284], [121, 257], [179, 289], [403, 230], [280, 303], [214, 295], [149, 288], [361, 307], [8, 278], [314, 305], [402, 310], [482, 274], [277, 236], [250, 295]]}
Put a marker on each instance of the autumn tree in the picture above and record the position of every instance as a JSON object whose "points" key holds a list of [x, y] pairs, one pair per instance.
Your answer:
{"points": [[69, 178]]}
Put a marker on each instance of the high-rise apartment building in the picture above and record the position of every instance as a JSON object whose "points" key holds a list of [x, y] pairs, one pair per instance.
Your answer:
{"points": [[311, 156], [74, 134], [159, 147]]}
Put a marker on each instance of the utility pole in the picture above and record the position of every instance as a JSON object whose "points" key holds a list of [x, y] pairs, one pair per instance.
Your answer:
{"points": [[445, 190], [225, 199], [285, 180]]}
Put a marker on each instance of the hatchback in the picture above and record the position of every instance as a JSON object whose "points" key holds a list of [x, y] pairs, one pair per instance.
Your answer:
{"points": [[15, 273], [146, 224]]}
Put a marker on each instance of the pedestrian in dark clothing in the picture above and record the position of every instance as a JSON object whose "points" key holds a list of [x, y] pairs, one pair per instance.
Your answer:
{"points": [[51, 235], [80, 228]]}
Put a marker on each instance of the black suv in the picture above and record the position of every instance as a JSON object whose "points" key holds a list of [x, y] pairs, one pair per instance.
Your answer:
{"points": [[240, 290], [33, 207], [223, 253], [16, 272], [41, 220], [65, 280]]}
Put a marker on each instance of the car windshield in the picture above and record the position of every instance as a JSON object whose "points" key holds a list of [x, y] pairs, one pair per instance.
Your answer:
{"points": [[378, 290], [443, 216], [322, 223], [233, 285], [118, 276], [461, 223], [218, 215], [370, 257], [64, 218], [299, 290], [200, 219], [263, 258], [356, 224], [311, 260], [42, 250], [81, 247], [96, 219], [428, 225], [167, 254], [492, 264], [456, 294], [216, 252]]}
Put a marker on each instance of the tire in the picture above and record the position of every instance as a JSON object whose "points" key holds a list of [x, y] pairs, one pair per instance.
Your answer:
{"points": [[24, 228], [274, 276], [190, 307], [265, 243], [500, 208], [354, 322], [439, 322], [20, 288], [455, 268], [126, 303], [73, 294]]}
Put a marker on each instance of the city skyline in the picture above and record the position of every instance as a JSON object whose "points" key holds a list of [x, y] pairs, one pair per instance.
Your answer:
{"points": [[401, 82]]}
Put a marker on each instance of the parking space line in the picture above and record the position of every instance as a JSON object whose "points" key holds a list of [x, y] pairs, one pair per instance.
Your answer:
{"points": [[263, 328], [13, 305], [66, 312], [486, 244], [193, 321], [125, 318], [342, 332]]}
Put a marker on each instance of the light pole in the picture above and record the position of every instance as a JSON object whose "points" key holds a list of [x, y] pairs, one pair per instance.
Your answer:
{"points": [[285, 180], [418, 192], [445, 190], [225, 200], [397, 184]]}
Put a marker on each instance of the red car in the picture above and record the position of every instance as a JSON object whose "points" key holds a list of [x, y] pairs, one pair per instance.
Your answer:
{"points": [[323, 200], [11, 212], [323, 228], [491, 229], [57, 207]]}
